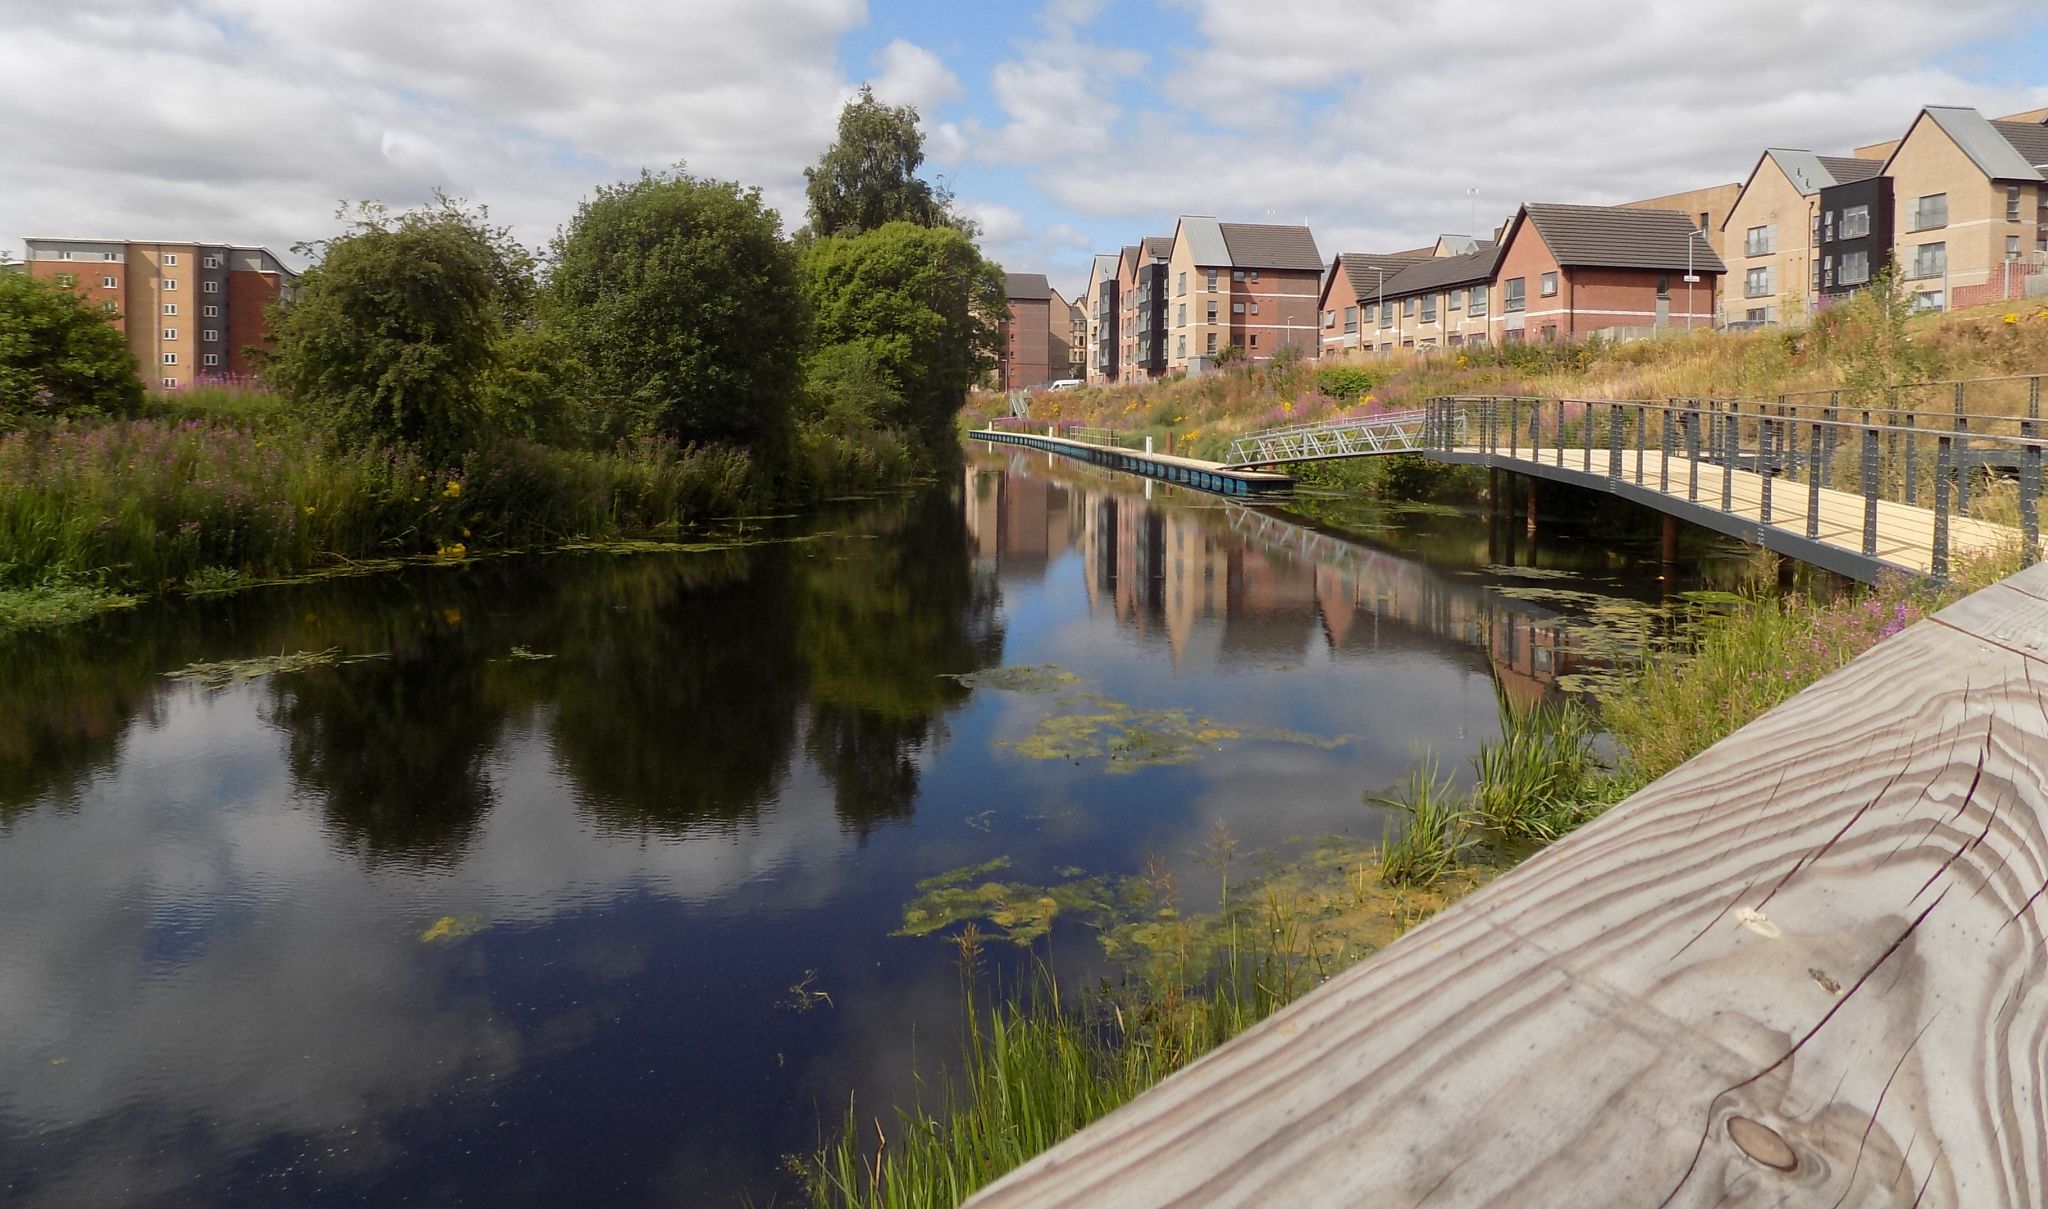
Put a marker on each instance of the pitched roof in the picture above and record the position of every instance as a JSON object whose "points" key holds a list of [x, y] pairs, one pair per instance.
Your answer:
{"points": [[1367, 272], [1847, 169], [1022, 287], [1987, 145], [2030, 139], [1616, 237], [1204, 236], [1159, 246], [1271, 246], [1446, 272]]}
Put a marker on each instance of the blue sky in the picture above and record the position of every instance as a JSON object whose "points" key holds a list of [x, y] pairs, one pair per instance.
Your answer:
{"points": [[1065, 126]]}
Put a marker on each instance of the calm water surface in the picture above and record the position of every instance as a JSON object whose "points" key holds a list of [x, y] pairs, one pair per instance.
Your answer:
{"points": [[511, 914]]}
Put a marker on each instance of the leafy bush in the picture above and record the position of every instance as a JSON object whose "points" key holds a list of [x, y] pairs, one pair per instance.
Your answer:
{"points": [[59, 356], [1350, 382]]}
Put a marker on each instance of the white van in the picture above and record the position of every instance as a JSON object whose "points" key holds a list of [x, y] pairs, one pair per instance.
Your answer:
{"points": [[1064, 384]]}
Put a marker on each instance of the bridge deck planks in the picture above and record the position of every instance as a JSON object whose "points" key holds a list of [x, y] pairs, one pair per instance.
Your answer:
{"points": [[1602, 1027], [1905, 533]]}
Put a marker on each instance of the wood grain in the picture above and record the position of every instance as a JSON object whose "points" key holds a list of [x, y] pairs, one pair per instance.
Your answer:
{"points": [[1805, 968]]}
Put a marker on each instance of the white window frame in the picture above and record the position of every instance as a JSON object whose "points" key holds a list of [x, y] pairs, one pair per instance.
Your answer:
{"points": [[1855, 269], [209, 311], [1760, 241], [209, 287], [170, 333], [1926, 267], [167, 383], [1917, 213], [171, 259], [209, 262], [210, 335], [1855, 222], [1758, 283], [109, 283], [209, 358], [170, 283], [170, 358], [1547, 286]]}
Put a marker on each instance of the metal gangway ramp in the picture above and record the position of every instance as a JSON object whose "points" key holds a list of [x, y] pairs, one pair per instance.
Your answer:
{"points": [[1356, 436]]}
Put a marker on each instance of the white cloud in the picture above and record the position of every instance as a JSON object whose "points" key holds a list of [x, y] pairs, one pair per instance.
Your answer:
{"points": [[247, 120], [912, 75]]}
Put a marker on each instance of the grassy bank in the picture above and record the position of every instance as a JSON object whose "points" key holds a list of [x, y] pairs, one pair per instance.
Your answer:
{"points": [[220, 488], [1853, 347]]}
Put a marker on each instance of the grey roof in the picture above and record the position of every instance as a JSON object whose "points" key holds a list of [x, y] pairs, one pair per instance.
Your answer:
{"points": [[1105, 266], [1159, 246], [1985, 144], [1368, 272], [1847, 169], [2030, 139], [1459, 245], [1027, 287], [1204, 236], [1447, 272], [1803, 168], [1271, 246], [1616, 237]]}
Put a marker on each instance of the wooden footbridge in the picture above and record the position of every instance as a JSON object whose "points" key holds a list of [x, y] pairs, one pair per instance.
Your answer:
{"points": [[1808, 967]]}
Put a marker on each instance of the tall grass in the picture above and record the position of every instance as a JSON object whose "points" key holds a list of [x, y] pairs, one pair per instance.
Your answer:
{"points": [[1433, 829], [150, 504], [1539, 779]]}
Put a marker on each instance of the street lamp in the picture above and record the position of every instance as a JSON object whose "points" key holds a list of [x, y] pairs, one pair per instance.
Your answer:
{"points": [[1691, 277]]}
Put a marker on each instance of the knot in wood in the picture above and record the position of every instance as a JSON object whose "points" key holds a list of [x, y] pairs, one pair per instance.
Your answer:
{"points": [[1762, 1143]]}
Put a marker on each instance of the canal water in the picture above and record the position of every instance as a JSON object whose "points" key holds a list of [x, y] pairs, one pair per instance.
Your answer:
{"points": [[572, 879]]}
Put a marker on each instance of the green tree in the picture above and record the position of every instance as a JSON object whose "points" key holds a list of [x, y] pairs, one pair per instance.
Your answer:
{"points": [[868, 177], [397, 328], [60, 356], [920, 307], [680, 296]]}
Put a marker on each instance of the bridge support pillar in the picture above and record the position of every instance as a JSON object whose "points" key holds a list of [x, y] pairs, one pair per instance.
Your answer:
{"points": [[1532, 503], [1670, 552]]}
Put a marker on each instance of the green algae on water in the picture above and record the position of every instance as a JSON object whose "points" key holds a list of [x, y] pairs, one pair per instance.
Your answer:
{"points": [[1092, 726], [229, 671], [1030, 678]]}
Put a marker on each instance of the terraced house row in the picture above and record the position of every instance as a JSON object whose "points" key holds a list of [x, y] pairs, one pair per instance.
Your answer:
{"points": [[1959, 203]]}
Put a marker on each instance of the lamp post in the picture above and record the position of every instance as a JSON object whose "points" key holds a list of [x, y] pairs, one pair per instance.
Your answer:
{"points": [[1690, 277]]}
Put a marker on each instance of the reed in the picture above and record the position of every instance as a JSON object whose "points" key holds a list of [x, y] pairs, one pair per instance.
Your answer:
{"points": [[1434, 828]]}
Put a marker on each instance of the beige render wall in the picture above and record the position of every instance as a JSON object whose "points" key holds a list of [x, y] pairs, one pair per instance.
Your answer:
{"points": [[1183, 313], [1772, 201], [1714, 201]]}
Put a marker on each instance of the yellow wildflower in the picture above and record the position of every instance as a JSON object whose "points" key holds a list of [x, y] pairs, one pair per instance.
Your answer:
{"points": [[309, 509], [2012, 318], [453, 550], [452, 489]]}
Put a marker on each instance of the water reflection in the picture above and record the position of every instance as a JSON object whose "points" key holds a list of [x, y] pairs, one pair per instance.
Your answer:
{"points": [[510, 913]]}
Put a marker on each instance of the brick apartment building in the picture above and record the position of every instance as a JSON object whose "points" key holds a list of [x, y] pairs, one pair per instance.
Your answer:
{"points": [[1969, 199], [1770, 233], [1024, 336], [1435, 303], [191, 311], [1568, 272], [1251, 286], [1354, 281], [1103, 308], [1141, 294]]}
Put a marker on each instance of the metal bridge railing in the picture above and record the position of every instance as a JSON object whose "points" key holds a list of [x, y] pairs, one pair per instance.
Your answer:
{"points": [[1392, 432], [1953, 463]]}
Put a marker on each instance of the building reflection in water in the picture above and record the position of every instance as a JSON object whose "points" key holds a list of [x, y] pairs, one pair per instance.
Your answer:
{"points": [[1220, 582]]}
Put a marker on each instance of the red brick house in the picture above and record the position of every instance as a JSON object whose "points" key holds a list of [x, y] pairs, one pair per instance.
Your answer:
{"points": [[1354, 281], [1567, 272], [1024, 359]]}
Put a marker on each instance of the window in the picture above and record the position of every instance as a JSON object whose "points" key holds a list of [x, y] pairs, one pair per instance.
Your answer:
{"points": [[210, 262], [1255, 308], [1350, 318], [1181, 316], [1180, 346], [1927, 213], [1757, 283], [2012, 247], [209, 287], [67, 279], [110, 308], [170, 333], [1757, 314], [210, 335], [2012, 203], [1237, 308], [110, 255], [1255, 340], [1855, 269], [1855, 222], [210, 311], [1477, 309], [167, 383], [1813, 230], [1548, 285], [1453, 298], [1827, 272], [1212, 281], [64, 255], [1386, 314], [1369, 312], [1429, 308], [1330, 318], [1514, 294], [1182, 285], [1212, 342], [170, 283], [1760, 241], [1212, 311], [1237, 274], [170, 308], [1827, 227], [1408, 307], [170, 358], [1930, 260], [1663, 287], [209, 359], [170, 258], [1255, 275], [108, 283]]}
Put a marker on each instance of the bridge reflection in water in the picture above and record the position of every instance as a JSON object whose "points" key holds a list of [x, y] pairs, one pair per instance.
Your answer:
{"points": [[1220, 582]]}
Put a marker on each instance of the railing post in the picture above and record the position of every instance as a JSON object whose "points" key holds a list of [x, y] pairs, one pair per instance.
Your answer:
{"points": [[1692, 450], [1829, 439], [1869, 486], [1912, 459], [1962, 456], [1536, 430], [1514, 427], [1942, 458], [1560, 432], [1763, 467], [1613, 445], [1730, 445], [1813, 484], [2030, 483], [1586, 422], [1642, 420], [1664, 443]]}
